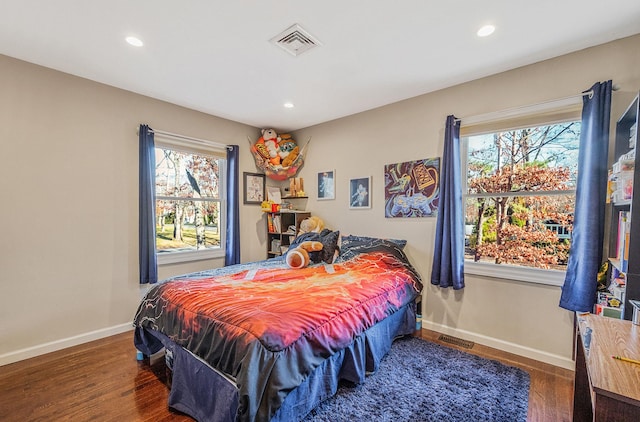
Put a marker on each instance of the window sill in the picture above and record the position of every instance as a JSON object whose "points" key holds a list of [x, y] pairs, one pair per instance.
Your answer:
{"points": [[516, 273], [188, 256]]}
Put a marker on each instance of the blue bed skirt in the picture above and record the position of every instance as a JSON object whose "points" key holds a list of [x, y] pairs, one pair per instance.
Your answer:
{"points": [[208, 396]]}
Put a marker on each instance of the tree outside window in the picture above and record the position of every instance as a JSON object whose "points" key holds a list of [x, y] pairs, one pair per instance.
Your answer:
{"points": [[188, 201], [520, 193]]}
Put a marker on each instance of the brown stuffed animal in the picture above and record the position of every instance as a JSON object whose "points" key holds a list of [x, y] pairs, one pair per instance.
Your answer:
{"points": [[311, 224], [298, 257], [291, 157]]}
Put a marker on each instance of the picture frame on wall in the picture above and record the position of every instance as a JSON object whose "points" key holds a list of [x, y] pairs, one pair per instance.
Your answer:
{"points": [[412, 188], [327, 185], [360, 193], [254, 188]]}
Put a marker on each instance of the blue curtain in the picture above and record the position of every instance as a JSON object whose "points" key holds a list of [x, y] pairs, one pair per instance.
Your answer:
{"points": [[232, 243], [585, 257], [147, 212], [448, 256]]}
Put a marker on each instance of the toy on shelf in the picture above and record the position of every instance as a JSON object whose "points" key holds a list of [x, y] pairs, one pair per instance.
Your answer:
{"points": [[296, 188], [278, 156]]}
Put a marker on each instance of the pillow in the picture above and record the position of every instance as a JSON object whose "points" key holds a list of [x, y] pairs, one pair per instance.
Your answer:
{"points": [[401, 243], [353, 246], [329, 240]]}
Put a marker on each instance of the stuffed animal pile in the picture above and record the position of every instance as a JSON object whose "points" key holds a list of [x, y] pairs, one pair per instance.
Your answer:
{"points": [[314, 244], [278, 155]]}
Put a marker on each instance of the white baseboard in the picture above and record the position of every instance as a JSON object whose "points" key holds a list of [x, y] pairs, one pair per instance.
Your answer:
{"points": [[517, 349], [506, 346], [56, 345]]}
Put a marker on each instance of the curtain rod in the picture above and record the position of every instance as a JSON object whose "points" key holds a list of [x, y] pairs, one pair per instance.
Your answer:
{"points": [[510, 112], [176, 136]]}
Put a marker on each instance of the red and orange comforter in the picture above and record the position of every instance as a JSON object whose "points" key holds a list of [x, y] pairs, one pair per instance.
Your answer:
{"points": [[267, 326]]}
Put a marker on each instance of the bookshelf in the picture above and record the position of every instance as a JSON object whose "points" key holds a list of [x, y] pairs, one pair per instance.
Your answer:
{"points": [[624, 226], [280, 230]]}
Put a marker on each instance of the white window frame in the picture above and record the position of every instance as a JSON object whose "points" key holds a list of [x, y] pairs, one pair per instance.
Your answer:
{"points": [[197, 146], [556, 112]]}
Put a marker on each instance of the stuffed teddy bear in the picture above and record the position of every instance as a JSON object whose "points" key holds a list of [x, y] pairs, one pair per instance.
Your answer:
{"points": [[267, 146], [298, 257], [311, 224]]}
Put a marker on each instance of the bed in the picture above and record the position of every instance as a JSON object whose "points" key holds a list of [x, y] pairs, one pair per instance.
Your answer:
{"points": [[263, 342]]}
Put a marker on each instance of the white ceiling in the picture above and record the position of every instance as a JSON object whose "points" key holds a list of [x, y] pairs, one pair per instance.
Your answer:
{"points": [[215, 56]]}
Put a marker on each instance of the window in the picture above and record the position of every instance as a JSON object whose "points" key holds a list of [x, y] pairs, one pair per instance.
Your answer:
{"points": [[519, 193], [190, 203]]}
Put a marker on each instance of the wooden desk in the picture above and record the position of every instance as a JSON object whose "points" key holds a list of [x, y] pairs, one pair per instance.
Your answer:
{"points": [[606, 389]]}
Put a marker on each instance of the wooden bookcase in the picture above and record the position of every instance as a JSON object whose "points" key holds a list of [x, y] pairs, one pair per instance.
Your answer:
{"points": [[280, 231], [624, 238]]}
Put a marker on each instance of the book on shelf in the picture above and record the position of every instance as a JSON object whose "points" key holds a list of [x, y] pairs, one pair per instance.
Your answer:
{"points": [[277, 224], [623, 240], [270, 223]]}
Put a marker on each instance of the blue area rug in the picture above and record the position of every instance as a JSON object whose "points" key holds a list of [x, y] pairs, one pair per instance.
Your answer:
{"points": [[423, 381]]}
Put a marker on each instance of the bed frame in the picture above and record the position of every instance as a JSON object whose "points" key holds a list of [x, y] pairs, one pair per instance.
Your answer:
{"points": [[200, 391]]}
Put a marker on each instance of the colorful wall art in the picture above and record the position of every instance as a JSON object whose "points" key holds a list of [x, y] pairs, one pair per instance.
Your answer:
{"points": [[412, 188]]}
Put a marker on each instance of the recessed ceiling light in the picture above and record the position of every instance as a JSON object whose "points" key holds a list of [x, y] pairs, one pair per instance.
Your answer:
{"points": [[136, 42], [486, 30], [288, 105]]}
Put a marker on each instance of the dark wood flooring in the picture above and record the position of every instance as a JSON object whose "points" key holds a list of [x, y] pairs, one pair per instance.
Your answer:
{"points": [[102, 381]]}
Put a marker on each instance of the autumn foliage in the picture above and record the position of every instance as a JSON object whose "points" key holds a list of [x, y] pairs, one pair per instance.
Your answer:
{"points": [[527, 216]]}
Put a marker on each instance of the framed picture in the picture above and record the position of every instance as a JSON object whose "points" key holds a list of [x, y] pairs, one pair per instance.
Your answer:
{"points": [[412, 188], [254, 188], [327, 185], [360, 193]]}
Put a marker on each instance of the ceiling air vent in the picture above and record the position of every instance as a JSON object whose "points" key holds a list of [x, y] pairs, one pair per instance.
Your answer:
{"points": [[295, 40]]}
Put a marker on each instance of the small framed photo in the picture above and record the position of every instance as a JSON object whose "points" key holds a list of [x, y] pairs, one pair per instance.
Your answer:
{"points": [[254, 188], [327, 185], [360, 193]]}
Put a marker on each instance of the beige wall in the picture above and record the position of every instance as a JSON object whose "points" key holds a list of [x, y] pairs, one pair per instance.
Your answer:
{"points": [[69, 184], [515, 316], [69, 189]]}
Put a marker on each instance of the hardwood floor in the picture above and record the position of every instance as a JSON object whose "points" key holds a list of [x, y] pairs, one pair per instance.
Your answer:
{"points": [[102, 381]]}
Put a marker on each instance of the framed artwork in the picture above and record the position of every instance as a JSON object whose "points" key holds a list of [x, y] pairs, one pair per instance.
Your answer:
{"points": [[254, 188], [327, 185], [412, 188], [360, 193]]}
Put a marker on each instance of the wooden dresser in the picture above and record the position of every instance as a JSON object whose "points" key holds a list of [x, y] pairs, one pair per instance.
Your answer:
{"points": [[606, 389]]}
